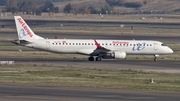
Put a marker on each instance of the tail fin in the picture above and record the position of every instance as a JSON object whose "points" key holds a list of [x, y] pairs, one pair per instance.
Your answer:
{"points": [[24, 31]]}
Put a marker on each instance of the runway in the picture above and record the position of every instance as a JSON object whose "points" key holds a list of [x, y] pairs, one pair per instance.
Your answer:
{"points": [[20, 92]]}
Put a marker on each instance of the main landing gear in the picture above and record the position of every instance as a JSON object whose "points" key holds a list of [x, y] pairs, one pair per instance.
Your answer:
{"points": [[92, 58], [155, 58]]}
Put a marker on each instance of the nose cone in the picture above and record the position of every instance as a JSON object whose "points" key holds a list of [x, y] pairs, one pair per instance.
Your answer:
{"points": [[170, 50]]}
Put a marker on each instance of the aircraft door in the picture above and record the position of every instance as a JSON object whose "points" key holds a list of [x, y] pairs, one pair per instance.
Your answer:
{"points": [[155, 46], [47, 44]]}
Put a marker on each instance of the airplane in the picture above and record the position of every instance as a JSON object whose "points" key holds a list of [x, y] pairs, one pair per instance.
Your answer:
{"points": [[101, 49]]}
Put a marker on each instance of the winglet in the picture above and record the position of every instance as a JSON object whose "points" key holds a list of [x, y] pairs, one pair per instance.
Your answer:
{"points": [[97, 44]]}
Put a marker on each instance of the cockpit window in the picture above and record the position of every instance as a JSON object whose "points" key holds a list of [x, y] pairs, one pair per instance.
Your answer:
{"points": [[163, 45]]}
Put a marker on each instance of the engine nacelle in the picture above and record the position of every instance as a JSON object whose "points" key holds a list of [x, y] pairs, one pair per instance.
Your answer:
{"points": [[115, 55]]}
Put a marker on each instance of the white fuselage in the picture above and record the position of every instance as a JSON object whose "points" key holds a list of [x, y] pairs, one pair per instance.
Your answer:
{"points": [[87, 47]]}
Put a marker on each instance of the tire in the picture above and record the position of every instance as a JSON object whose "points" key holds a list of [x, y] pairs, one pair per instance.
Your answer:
{"points": [[155, 59], [91, 58], [98, 58]]}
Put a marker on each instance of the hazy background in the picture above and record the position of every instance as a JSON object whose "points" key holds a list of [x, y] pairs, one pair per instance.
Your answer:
{"points": [[91, 6]]}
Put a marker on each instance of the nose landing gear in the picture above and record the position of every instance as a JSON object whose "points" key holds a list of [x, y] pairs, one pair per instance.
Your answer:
{"points": [[155, 58]]}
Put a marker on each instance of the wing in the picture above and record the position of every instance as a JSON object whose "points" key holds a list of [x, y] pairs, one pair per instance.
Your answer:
{"points": [[100, 48], [94, 51], [108, 53]]}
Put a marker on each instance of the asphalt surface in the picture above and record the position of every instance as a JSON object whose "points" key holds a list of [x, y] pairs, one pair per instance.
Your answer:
{"points": [[15, 92]]}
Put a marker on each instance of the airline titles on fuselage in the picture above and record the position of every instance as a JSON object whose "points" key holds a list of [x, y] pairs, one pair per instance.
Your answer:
{"points": [[119, 42]]}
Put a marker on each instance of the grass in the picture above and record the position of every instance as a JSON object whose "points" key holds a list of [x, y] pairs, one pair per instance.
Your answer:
{"points": [[86, 77], [166, 18]]}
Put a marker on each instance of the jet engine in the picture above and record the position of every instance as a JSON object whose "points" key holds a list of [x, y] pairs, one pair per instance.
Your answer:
{"points": [[115, 55]]}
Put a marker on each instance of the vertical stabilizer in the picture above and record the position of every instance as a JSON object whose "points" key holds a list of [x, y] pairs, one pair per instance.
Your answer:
{"points": [[24, 31]]}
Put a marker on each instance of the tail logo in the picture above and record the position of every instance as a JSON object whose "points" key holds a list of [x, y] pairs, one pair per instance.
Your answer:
{"points": [[22, 33], [25, 28]]}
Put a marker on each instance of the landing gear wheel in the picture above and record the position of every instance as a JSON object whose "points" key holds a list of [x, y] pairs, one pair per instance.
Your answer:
{"points": [[91, 58], [98, 59], [155, 59]]}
